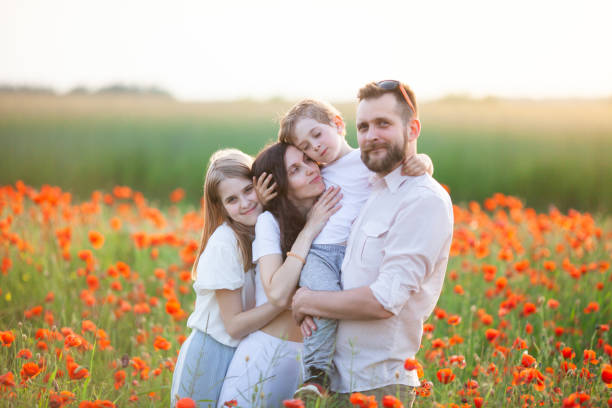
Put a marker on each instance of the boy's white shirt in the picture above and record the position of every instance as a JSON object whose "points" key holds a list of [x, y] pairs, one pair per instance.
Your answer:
{"points": [[353, 177]]}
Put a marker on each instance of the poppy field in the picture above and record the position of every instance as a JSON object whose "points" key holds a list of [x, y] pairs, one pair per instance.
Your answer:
{"points": [[94, 296]]}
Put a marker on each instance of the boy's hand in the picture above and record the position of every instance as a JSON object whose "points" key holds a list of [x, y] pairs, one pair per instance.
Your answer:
{"points": [[265, 188], [308, 326], [417, 165]]}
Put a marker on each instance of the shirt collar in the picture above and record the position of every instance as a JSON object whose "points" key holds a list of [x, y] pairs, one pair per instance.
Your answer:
{"points": [[392, 180]]}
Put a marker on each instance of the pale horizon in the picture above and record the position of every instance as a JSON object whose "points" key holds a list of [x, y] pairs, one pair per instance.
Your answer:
{"points": [[237, 50]]}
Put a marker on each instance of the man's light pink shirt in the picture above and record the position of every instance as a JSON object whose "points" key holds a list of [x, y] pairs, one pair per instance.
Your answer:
{"points": [[399, 247]]}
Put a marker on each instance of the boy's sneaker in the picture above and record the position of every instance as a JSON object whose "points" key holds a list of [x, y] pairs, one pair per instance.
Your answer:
{"points": [[311, 391]]}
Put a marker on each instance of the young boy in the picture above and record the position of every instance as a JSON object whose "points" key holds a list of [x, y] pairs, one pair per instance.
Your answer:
{"points": [[317, 128]]}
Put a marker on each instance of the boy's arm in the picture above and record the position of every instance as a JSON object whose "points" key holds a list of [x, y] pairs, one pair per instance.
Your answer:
{"points": [[417, 165]]}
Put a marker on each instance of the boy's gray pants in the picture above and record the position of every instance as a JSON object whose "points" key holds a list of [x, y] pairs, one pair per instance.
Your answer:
{"points": [[321, 272]]}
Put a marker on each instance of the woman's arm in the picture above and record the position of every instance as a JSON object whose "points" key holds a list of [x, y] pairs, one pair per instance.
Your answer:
{"points": [[239, 323], [279, 278]]}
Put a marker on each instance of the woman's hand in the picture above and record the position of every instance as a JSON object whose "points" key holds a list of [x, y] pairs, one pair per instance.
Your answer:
{"points": [[326, 206], [265, 188], [417, 165]]}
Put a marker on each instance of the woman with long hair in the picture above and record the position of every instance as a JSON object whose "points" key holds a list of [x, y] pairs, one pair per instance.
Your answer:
{"points": [[223, 281], [266, 369]]}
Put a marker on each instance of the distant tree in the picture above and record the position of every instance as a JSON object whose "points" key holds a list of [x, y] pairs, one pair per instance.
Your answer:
{"points": [[491, 99], [30, 89], [124, 89], [79, 90], [276, 99]]}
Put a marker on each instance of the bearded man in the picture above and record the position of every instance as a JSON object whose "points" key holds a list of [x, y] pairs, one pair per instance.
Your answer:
{"points": [[395, 260]]}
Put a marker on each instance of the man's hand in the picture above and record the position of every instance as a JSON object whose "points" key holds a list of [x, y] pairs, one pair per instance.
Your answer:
{"points": [[265, 188], [299, 301], [417, 165], [306, 323]]}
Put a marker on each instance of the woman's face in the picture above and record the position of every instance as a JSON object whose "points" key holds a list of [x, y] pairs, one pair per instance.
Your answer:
{"points": [[303, 176], [240, 200]]}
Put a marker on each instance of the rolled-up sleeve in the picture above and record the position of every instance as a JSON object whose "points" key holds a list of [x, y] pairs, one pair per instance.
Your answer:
{"points": [[411, 247]]}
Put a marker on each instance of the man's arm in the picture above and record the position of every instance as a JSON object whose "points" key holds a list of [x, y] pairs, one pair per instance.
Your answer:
{"points": [[411, 249], [352, 304]]}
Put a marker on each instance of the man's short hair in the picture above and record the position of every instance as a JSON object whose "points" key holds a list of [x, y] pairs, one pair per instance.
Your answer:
{"points": [[320, 111], [371, 91]]}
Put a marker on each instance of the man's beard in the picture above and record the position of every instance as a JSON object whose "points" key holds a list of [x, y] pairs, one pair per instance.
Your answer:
{"points": [[395, 155]]}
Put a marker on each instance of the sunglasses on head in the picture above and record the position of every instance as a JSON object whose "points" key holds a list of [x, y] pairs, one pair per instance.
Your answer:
{"points": [[391, 84]]}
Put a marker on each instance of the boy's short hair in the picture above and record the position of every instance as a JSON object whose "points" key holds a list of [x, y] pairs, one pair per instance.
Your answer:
{"points": [[372, 90], [320, 111]]}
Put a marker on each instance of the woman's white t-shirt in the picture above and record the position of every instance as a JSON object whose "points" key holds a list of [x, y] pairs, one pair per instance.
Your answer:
{"points": [[267, 242], [219, 267]]}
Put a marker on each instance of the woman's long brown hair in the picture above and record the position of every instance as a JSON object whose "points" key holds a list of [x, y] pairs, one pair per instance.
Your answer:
{"points": [[272, 161], [224, 164]]}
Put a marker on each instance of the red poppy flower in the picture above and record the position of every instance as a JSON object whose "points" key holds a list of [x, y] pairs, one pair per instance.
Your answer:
{"points": [[389, 401], [292, 403], [411, 364], [606, 374], [185, 403], [491, 334], [96, 239], [29, 370], [177, 195], [7, 380], [7, 338], [161, 344], [527, 360], [445, 375]]}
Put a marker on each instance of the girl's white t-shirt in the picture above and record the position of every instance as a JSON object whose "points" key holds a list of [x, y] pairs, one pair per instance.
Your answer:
{"points": [[353, 177], [220, 267], [267, 242]]}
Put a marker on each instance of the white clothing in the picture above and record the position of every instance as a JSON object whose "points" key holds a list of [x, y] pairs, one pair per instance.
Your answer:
{"points": [[219, 267], [267, 242], [399, 247], [352, 176], [262, 360], [265, 371]]}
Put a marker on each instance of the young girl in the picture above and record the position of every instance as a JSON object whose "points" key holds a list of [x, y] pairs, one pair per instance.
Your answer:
{"points": [[224, 282]]}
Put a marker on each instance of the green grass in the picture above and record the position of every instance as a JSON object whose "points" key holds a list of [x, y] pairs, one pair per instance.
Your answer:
{"points": [[543, 156]]}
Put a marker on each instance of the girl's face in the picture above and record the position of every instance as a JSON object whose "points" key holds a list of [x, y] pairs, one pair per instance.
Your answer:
{"points": [[239, 200], [303, 176]]}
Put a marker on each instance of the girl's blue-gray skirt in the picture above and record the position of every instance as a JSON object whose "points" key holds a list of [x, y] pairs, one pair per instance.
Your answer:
{"points": [[200, 370]]}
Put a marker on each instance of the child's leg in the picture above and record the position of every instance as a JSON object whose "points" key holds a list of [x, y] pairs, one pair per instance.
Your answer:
{"points": [[321, 272]]}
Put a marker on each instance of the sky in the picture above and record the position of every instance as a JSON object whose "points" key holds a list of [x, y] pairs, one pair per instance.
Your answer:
{"points": [[225, 50]]}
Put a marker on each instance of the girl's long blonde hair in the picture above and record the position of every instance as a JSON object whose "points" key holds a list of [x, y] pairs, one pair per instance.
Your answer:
{"points": [[224, 164]]}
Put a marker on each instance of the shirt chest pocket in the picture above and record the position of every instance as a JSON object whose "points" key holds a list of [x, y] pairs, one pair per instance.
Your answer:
{"points": [[374, 236]]}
